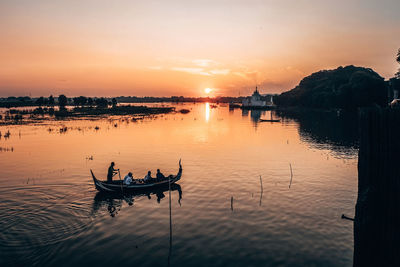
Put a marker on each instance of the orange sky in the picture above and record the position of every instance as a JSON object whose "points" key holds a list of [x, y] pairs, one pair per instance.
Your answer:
{"points": [[163, 48]]}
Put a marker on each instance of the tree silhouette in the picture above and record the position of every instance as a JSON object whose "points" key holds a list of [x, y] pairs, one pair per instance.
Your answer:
{"points": [[80, 101], [114, 102], [40, 101], [51, 100], [398, 56], [101, 102], [62, 101], [347, 87], [90, 101]]}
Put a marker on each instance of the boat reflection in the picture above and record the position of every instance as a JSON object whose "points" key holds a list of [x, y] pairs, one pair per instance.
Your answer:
{"points": [[114, 201]]}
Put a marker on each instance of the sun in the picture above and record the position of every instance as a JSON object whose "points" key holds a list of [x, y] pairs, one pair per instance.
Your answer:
{"points": [[207, 90]]}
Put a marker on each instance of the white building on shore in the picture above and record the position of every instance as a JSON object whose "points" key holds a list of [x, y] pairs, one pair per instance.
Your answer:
{"points": [[255, 101]]}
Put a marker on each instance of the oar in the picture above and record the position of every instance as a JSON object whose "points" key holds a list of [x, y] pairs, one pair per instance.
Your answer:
{"points": [[122, 190]]}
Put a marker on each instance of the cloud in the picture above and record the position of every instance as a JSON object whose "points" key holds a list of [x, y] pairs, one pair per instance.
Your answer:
{"points": [[247, 74], [199, 71], [155, 67], [295, 70], [204, 62], [220, 71]]}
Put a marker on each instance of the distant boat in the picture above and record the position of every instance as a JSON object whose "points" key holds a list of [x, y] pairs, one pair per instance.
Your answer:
{"points": [[118, 186], [255, 102], [277, 120], [234, 105]]}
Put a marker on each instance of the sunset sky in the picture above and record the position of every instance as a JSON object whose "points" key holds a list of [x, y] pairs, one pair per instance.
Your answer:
{"points": [[164, 48]]}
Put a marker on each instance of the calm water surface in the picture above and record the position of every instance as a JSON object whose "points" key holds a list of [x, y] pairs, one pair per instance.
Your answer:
{"points": [[51, 213]]}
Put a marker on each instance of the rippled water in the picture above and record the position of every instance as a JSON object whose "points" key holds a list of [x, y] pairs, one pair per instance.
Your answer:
{"points": [[51, 213]]}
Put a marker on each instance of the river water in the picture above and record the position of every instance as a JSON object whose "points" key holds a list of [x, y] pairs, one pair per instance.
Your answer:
{"points": [[252, 193]]}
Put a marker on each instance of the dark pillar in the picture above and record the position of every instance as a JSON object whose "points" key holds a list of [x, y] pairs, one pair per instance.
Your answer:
{"points": [[377, 216]]}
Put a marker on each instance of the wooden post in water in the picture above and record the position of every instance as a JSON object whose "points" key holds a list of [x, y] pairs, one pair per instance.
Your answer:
{"points": [[262, 189], [291, 175], [377, 215]]}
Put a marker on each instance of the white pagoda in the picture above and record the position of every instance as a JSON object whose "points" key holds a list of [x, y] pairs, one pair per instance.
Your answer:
{"points": [[255, 101]]}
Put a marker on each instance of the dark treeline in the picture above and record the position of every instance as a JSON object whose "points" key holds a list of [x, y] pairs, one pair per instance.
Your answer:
{"points": [[63, 101], [347, 87]]}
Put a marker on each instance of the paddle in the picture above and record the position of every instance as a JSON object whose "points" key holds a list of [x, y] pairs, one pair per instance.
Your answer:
{"points": [[119, 173]]}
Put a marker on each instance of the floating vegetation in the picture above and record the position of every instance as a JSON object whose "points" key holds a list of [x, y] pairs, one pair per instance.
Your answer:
{"points": [[6, 149], [184, 111], [89, 158], [16, 116], [63, 129]]}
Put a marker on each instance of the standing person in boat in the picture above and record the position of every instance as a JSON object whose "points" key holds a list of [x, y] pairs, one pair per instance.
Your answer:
{"points": [[160, 176], [128, 179], [111, 172], [148, 177]]}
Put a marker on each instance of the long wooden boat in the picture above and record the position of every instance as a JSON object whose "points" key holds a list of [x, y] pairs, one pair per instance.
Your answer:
{"points": [[271, 120], [118, 186]]}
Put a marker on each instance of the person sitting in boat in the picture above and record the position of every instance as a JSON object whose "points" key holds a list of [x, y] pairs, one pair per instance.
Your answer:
{"points": [[160, 176], [128, 179], [148, 177], [111, 172]]}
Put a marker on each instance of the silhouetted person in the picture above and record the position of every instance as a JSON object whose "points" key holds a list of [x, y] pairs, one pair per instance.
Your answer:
{"points": [[111, 172], [160, 176], [128, 179], [148, 177]]}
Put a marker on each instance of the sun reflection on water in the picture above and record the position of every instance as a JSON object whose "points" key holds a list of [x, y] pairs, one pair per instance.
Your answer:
{"points": [[207, 111]]}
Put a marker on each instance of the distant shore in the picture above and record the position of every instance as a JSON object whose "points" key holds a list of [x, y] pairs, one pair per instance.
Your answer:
{"points": [[24, 101]]}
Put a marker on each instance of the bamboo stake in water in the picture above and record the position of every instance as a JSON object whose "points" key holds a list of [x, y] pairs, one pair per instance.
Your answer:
{"points": [[262, 189], [291, 174], [170, 221]]}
